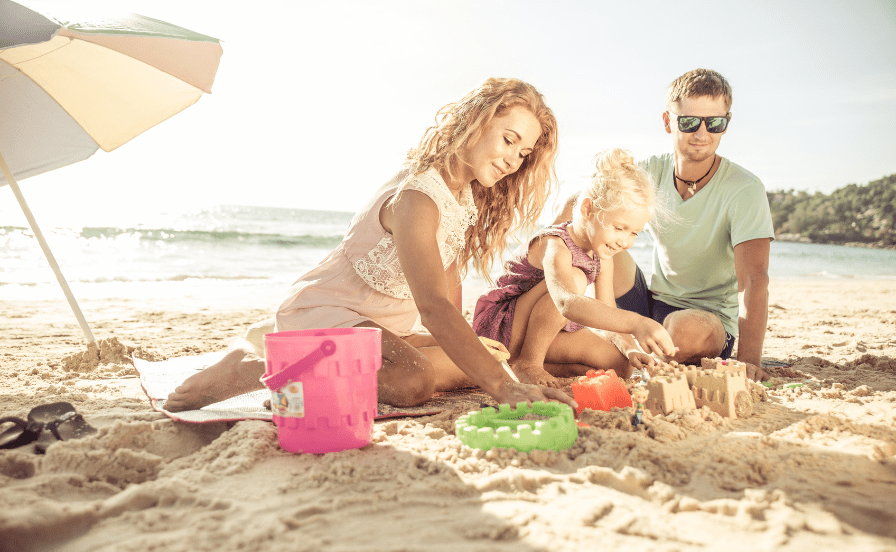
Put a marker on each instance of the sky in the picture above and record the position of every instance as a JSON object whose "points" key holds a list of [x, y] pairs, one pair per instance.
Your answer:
{"points": [[316, 103]]}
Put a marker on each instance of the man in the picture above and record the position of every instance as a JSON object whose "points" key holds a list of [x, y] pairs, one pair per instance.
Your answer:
{"points": [[710, 258]]}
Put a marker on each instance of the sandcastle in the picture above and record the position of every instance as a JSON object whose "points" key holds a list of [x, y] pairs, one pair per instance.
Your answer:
{"points": [[668, 392], [724, 393], [720, 385]]}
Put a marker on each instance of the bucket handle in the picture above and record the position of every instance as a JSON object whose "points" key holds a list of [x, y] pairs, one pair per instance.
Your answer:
{"points": [[289, 374]]}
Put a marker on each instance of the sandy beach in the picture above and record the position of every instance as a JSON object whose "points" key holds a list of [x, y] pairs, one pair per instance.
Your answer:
{"points": [[813, 468]]}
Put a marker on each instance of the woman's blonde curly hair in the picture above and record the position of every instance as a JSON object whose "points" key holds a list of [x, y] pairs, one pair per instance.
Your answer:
{"points": [[516, 201]]}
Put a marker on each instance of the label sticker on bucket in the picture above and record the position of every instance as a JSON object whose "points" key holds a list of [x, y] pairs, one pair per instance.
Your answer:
{"points": [[289, 402]]}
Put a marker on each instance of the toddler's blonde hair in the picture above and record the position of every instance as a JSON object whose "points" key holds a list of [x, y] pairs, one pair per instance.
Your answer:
{"points": [[619, 183]]}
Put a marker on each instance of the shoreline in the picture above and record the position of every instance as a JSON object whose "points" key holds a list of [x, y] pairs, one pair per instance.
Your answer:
{"points": [[813, 467], [797, 238]]}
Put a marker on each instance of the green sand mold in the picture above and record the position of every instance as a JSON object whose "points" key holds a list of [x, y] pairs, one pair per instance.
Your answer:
{"points": [[503, 428]]}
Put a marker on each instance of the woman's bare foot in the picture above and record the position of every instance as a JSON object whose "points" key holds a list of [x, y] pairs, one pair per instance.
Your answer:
{"points": [[535, 374], [229, 377]]}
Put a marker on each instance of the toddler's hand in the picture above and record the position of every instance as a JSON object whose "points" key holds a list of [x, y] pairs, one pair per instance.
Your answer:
{"points": [[640, 360], [654, 338], [514, 392]]}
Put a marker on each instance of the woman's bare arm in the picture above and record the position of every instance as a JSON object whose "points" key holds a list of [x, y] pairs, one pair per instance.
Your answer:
{"points": [[413, 220], [455, 287]]}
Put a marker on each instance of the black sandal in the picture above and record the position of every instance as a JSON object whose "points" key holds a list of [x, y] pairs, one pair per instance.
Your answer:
{"points": [[63, 423], [60, 420], [20, 434]]}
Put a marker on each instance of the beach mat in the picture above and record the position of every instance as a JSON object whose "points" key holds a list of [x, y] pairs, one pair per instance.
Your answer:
{"points": [[160, 378]]}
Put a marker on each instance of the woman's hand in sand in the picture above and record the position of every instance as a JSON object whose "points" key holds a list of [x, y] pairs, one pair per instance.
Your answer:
{"points": [[513, 392], [653, 337]]}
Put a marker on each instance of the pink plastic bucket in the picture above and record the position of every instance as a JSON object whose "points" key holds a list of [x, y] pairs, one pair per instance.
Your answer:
{"points": [[323, 386]]}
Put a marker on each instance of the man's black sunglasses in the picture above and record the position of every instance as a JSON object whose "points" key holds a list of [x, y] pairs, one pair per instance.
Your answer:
{"points": [[689, 123]]}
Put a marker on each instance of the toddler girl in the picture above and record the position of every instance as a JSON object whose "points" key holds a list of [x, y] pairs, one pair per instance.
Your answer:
{"points": [[539, 309]]}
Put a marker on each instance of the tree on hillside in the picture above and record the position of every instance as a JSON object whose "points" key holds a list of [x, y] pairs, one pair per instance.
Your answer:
{"points": [[850, 214]]}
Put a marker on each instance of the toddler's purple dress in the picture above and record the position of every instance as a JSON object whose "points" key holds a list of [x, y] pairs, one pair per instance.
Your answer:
{"points": [[493, 317]]}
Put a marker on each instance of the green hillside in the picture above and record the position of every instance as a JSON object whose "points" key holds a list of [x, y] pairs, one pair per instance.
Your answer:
{"points": [[860, 215]]}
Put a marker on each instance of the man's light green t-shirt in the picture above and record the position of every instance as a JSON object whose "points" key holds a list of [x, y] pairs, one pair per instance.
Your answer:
{"points": [[693, 254]]}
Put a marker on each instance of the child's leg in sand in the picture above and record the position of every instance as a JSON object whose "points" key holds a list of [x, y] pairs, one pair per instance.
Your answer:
{"points": [[231, 376], [573, 353], [536, 323]]}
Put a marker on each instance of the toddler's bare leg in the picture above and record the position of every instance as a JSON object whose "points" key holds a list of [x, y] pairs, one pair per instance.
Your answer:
{"points": [[536, 323], [572, 354]]}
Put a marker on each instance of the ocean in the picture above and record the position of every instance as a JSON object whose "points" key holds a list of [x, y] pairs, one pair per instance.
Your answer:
{"points": [[224, 252]]}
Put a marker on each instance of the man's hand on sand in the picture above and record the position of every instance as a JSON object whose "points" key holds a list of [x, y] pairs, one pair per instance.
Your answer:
{"points": [[756, 373]]}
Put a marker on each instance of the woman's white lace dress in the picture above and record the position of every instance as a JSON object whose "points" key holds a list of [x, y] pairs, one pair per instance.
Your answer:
{"points": [[362, 278]]}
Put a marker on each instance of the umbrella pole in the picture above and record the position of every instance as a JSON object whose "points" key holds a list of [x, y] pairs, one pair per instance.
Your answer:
{"points": [[43, 245]]}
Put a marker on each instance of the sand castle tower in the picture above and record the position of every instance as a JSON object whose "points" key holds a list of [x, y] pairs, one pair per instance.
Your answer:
{"points": [[675, 369], [720, 385], [666, 393], [724, 393]]}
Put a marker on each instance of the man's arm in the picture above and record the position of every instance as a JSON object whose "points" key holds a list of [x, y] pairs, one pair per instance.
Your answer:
{"points": [[751, 267]]}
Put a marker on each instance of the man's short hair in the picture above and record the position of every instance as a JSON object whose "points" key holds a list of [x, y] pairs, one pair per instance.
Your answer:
{"points": [[696, 83]]}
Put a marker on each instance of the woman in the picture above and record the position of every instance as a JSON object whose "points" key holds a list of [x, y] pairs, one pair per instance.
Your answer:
{"points": [[481, 172]]}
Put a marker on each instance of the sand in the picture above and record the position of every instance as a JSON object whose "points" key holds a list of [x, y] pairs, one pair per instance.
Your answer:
{"points": [[812, 469]]}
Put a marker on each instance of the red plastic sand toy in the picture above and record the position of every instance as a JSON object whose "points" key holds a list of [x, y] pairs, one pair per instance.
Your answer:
{"points": [[600, 391]]}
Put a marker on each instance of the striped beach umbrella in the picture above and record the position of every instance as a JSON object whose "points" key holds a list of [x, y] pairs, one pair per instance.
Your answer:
{"points": [[71, 84]]}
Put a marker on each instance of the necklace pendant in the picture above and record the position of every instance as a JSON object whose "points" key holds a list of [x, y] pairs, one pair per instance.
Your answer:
{"points": [[692, 185]]}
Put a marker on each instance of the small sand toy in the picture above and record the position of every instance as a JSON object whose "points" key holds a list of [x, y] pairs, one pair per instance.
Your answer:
{"points": [[600, 391], [504, 428], [641, 414]]}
